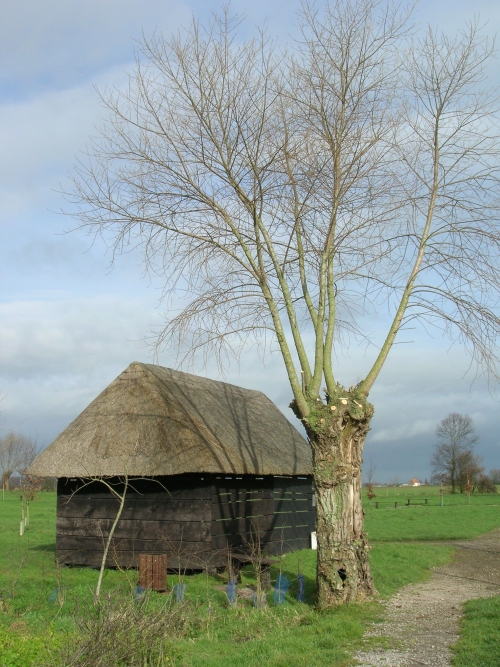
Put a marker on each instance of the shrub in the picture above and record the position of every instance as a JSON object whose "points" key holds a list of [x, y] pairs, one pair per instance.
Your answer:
{"points": [[485, 485], [124, 632]]}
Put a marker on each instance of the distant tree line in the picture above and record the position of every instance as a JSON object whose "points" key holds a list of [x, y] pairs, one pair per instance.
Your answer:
{"points": [[454, 461], [495, 475]]}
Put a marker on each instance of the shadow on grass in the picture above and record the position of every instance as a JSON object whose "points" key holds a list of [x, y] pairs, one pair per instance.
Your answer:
{"points": [[309, 587], [50, 547]]}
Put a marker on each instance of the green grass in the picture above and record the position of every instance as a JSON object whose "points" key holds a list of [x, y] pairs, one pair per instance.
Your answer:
{"points": [[479, 643], [34, 625], [457, 519], [388, 495]]}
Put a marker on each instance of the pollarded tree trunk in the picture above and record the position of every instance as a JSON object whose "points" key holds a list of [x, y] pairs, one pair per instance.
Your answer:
{"points": [[337, 432]]}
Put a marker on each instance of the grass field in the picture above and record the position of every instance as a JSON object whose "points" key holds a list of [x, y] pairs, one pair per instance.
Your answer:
{"points": [[45, 611], [457, 519], [479, 643]]}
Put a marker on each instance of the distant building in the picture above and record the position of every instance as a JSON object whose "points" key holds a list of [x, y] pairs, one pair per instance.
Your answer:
{"points": [[414, 482]]}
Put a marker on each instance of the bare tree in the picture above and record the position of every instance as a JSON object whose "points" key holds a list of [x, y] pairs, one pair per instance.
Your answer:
{"points": [[370, 472], [469, 470], [484, 484], [17, 452], [27, 455], [288, 194], [453, 454], [119, 491], [118, 486], [495, 475]]}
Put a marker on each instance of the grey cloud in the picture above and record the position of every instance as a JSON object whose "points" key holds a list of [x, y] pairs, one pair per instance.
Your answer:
{"points": [[420, 385]]}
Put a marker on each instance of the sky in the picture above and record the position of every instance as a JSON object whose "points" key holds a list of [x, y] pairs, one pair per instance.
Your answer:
{"points": [[69, 324]]}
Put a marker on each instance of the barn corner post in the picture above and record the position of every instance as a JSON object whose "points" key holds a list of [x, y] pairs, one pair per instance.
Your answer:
{"points": [[337, 430]]}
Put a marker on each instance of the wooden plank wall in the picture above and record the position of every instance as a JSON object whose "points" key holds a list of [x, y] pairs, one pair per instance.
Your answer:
{"points": [[194, 519], [275, 514], [242, 513], [171, 517], [294, 514]]}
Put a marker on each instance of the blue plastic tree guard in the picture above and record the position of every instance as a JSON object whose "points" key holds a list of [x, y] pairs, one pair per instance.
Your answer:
{"points": [[301, 587], [56, 594], [280, 588], [180, 591], [139, 592], [231, 592]]}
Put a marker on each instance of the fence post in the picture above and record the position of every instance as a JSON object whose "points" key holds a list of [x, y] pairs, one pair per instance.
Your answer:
{"points": [[408, 502], [396, 505], [426, 501], [376, 505]]}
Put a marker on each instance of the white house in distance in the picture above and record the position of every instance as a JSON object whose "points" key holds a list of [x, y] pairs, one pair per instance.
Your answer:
{"points": [[414, 482]]}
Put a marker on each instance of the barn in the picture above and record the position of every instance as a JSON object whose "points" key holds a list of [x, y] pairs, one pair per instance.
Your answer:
{"points": [[211, 468]]}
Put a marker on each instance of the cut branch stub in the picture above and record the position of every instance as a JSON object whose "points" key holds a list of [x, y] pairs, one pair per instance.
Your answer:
{"points": [[343, 406]]}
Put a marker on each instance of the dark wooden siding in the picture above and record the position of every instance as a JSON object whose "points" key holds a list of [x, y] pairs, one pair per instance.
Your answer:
{"points": [[277, 513], [194, 519], [242, 513], [171, 515], [294, 514]]}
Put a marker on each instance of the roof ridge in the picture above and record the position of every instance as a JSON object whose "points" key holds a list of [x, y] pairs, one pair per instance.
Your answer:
{"points": [[198, 377]]}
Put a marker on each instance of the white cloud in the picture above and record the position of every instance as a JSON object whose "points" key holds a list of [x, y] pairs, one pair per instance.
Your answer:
{"points": [[58, 352], [41, 138], [66, 336]]}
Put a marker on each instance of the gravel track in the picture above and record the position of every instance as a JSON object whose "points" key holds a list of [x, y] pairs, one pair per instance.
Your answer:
{"points": [[422, 620]]}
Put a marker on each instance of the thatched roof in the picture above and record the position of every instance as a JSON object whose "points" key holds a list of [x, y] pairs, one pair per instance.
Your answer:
{"points": [[155, 421]]}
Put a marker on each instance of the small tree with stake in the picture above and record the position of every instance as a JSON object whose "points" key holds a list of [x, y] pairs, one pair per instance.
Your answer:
{"points": [[292, 193]]}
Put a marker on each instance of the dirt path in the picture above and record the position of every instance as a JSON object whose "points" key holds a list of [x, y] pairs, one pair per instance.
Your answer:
{"points": [[423, 619]]}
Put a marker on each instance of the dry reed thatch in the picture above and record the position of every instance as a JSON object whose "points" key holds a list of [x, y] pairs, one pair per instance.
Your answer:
{"points": [[156, 421]]}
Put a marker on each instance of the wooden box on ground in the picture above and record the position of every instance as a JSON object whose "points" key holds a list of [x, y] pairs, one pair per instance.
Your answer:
{"points": [[153, 572]]}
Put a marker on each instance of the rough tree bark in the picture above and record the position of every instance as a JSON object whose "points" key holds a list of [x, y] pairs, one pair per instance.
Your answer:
{"points": [[337, 430]]}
